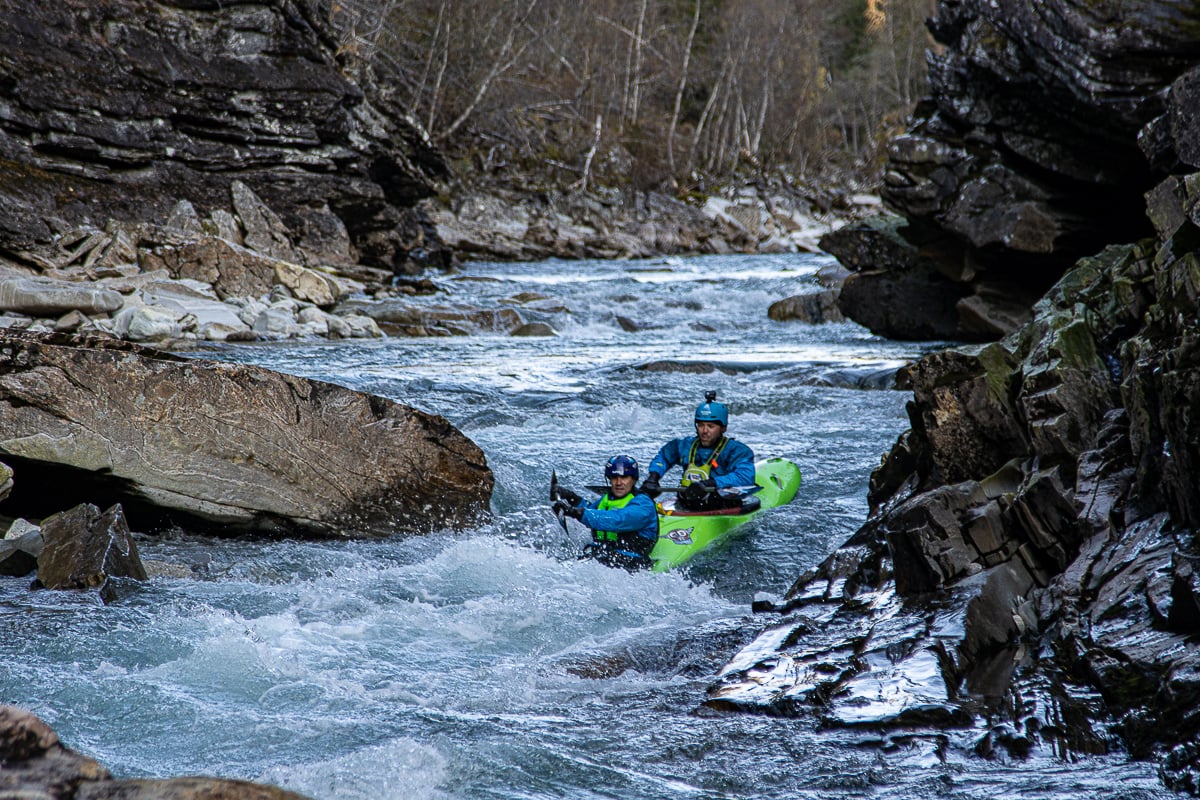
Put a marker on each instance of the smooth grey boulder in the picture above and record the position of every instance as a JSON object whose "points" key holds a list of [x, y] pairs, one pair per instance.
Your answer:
{"points": [[45, 298], [223, 446]]}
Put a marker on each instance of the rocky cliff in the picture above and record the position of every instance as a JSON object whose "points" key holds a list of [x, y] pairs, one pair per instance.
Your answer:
{"points": [[1028, 573], [112, 112], [1027, 155]]}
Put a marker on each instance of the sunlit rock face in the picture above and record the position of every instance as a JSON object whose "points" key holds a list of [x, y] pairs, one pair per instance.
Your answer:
{"points": [[1025, 155], [1035, 529], [223, 447], [118, 110]]}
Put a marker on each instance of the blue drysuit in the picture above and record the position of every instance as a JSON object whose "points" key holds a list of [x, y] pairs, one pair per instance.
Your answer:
{"points": [[734, 467]]}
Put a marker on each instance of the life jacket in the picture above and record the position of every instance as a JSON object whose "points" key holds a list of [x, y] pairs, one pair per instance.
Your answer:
{"points": [[628, 542], [693, 472]]}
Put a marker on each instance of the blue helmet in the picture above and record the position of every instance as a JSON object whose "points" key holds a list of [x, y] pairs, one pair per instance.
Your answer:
{"points": [[621, 465], [712, 411]]}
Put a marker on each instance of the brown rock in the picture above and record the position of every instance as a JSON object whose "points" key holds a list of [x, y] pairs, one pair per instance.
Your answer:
{"points": [[83, 548], [226, 446], [190, 788]]}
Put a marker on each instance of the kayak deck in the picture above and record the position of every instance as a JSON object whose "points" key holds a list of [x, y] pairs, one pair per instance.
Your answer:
{"points": [[684, 534]]}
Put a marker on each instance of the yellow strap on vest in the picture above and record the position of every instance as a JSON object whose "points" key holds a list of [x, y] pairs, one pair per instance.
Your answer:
{"points": [[693, 472]]}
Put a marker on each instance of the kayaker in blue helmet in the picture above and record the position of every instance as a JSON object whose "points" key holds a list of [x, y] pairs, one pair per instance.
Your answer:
{"points": [[710, 460], [624, 521]]}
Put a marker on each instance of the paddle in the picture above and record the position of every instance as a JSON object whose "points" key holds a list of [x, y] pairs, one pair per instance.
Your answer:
{"points": [[726, 491], [562, 517]]}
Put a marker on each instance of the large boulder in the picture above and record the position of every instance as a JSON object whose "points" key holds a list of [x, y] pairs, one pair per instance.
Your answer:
{"points": [[223, 447]]}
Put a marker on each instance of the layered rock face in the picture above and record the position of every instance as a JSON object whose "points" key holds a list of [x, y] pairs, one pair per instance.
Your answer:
{"points": [[1024, 159], [1028, 575], [114, 111], [223, 447]]}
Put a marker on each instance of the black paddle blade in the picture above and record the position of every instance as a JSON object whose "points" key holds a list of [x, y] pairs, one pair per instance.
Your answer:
{"points": [[562, 517]]}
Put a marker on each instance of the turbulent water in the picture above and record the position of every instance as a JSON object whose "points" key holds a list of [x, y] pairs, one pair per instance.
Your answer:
{"points": [[494, 663]]}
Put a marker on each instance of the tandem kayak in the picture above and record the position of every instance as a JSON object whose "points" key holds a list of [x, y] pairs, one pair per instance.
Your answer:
{"points": [[684, 534]]}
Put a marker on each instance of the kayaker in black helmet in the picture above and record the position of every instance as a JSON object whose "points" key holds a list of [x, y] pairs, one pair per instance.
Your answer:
{"points": [[710, 460], [624, 522]]}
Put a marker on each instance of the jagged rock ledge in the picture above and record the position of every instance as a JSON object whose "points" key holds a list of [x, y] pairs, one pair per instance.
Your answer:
{"points": [[1024, 158], [1028, 573]]}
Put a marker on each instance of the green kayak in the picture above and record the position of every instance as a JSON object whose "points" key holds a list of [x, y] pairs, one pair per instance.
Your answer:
{"points": [[683, 534]]}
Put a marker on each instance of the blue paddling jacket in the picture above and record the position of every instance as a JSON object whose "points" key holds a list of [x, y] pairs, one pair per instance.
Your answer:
{"points": [[734, 461], [628, 526]]}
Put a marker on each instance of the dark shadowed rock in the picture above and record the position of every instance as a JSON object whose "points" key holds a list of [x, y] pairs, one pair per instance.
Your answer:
{"points": [[195, 98], [1025, 156], [226, 447], [190, 788], [36, 765], [83, 548], [19, 554], [813, 308]]}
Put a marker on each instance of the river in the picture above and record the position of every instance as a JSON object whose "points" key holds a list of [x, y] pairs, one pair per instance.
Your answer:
{"points": [[493, 663]]}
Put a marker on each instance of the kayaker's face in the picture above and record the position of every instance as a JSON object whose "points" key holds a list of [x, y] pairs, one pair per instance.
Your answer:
{"points": [[620, 485], [709, 433]]}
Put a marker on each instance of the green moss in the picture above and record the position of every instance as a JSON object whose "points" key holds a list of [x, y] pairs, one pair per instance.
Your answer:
{"points": [[1000, 368]]}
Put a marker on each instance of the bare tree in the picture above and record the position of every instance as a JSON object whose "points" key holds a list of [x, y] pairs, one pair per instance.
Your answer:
{"points": [[683, 82], [678, 86]]}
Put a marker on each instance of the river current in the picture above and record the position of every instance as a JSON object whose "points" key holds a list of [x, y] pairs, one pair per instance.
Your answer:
{"points": [[492, 663]]}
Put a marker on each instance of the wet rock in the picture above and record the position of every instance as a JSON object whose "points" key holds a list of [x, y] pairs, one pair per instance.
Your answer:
{"points": [[410, 319], [225, 446], [37, 765], [20, 548], [813, 308], [182, 789], [535, 329], [83, 548], [689, 367]]}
